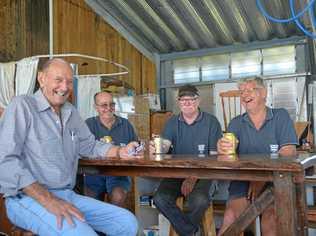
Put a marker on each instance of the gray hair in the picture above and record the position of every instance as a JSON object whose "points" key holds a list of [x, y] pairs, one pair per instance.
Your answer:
{"points": [[49, 62], [257, 79], [97, 93]]}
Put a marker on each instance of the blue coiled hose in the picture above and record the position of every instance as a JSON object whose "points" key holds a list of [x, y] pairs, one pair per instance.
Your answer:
{"points": [[294, 16]]}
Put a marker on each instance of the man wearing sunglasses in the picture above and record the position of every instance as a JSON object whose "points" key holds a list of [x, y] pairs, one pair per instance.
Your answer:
{"points": [[191, 132], [108, 127]]}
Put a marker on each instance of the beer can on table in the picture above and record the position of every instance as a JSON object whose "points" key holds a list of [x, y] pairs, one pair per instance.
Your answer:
{"points": [[233, 139], [158, 144], [107, 139]]}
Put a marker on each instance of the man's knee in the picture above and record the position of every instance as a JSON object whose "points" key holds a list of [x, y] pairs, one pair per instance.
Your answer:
{"points": [[118, 196], [234, 208], [230, 215]]}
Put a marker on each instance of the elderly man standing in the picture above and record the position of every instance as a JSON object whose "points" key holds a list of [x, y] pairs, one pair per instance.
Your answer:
{"points": [[191, 132], [259, 130], [41, 138], [109, 127]]}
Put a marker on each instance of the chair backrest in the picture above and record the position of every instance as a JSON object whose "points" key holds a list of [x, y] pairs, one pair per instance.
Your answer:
{"points": [[231, 105], [300, 127]]}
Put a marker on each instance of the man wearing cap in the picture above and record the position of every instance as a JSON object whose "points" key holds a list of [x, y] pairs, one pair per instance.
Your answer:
{"points": [[190, 132], [120, 132]]}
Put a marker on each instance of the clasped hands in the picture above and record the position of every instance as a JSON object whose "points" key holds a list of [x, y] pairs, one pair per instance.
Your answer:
{"points": [[131, 149]]}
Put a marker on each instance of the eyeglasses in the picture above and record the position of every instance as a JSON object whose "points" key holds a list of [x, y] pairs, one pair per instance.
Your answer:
{"points": [[106, 105], [250, 90], [187, 100]]}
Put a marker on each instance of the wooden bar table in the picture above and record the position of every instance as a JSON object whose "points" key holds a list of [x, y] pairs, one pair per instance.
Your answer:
{"points": [[286, 174]]}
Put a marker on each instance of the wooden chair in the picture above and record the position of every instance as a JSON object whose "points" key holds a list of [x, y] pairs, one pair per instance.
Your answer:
{"points": [[6, 226], [231, 105], [300, 127], [208, 223]]}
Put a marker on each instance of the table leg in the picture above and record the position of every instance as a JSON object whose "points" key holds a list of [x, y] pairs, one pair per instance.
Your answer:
{"points": [[284, 203], [301, 209]]}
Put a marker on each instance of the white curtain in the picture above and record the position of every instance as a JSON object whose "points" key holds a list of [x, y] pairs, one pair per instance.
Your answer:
{"points": [[86, 88], [7, 71], [25, 77]]}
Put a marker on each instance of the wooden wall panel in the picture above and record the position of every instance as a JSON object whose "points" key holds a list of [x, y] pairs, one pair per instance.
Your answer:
{"points": [[24, 28], [78, 29]]}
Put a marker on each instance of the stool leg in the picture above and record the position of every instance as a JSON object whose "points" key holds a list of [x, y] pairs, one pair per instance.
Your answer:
{"points": [[172, 232], [208, 222], [15, 231]]}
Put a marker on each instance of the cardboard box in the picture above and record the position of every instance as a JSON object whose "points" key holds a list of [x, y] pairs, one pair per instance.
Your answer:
{"points": [[141, 124], [141, 104]]}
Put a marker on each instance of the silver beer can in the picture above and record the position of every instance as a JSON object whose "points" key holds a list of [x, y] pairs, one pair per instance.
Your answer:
{"points": [[158, 144]]}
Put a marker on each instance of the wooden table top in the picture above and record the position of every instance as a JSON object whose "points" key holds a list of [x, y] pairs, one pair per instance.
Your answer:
{"points": [[286, 173], [220, 162]]}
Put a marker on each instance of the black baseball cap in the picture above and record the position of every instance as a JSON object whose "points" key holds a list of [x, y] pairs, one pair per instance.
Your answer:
{"points": [[188, 90]]}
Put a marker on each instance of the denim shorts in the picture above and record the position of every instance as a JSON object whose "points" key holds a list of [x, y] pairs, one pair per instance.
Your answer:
{"points": [[238, 189], [104, 184]]}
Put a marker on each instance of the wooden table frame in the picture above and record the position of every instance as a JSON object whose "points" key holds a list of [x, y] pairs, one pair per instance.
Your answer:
{"points": [[287, 175]]}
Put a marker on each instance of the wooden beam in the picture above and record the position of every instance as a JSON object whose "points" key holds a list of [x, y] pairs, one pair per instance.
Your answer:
{"points": [[249, 215]]}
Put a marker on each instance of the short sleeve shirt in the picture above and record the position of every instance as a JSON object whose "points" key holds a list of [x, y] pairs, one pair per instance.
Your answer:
{"points": [[200, 137], [121, 132], [277, 131]]}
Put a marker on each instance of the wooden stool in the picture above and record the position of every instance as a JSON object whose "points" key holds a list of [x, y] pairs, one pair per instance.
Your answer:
{"points": [[208, 223], [16, 231], [6, 226]]}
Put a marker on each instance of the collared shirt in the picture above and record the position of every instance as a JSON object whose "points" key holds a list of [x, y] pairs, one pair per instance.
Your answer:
{"points": [[276, 131], [36, 146], [200, 137], [121, 132]]}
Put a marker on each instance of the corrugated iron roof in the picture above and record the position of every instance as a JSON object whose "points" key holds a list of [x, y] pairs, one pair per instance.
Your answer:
{"points": [[166, 26]]}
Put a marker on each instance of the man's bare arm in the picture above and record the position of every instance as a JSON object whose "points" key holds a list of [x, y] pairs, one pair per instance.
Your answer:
{"points": [[288, 150]]}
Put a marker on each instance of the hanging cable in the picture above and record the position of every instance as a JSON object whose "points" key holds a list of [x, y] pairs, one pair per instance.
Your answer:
{"points": [[294, 16]]}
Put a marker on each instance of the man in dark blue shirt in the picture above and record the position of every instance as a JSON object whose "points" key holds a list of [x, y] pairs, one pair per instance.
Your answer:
{"points": [[108, 127], [190, 132], [259, 130]]}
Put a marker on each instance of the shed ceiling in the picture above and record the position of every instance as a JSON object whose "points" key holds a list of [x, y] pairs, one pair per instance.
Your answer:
{"points": [[167, 26]]}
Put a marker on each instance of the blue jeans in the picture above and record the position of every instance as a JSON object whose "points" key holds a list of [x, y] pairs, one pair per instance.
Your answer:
{"points": [[28, 214], [184, 223]]}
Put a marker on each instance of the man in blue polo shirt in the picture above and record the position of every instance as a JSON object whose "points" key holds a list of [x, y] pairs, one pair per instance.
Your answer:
{"points": [[259, 130], [108, 127], [190, 132]]}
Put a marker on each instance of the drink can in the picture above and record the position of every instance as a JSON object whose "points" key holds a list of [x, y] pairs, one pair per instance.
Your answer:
{"points": [[107, 139], [158, 144], [233, 139]]}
